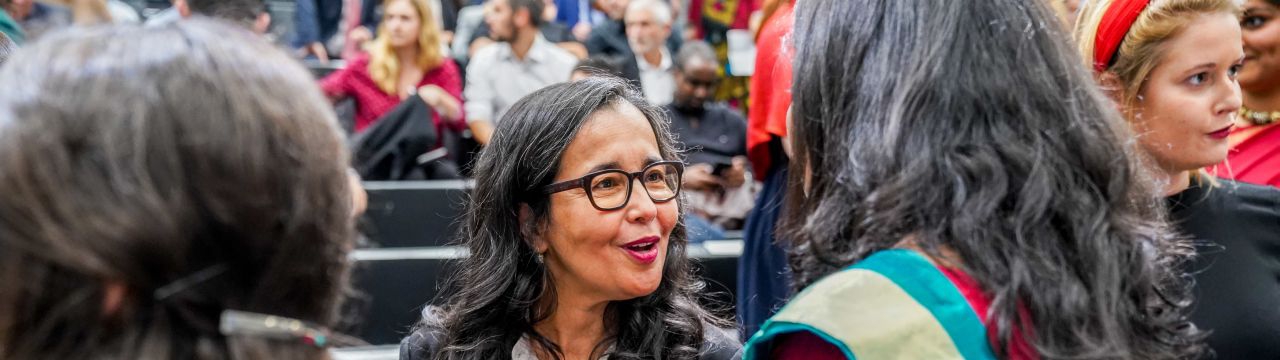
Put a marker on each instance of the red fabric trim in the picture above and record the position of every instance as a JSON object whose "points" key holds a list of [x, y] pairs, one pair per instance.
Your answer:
{"points": [[1115, 25], [804, 346], [1019, 348]]}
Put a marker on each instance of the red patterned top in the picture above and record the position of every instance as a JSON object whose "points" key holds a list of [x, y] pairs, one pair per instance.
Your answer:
{"points": [[371, 102], [1254, 157]]}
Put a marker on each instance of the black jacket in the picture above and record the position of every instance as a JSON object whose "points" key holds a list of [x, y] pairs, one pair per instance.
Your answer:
{"points": [[399, 146]]}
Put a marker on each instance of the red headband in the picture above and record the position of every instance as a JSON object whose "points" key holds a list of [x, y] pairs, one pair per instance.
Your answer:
{"points": [[1115, 25]]}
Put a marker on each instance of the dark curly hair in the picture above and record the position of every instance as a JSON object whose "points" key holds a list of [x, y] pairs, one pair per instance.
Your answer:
{"points": [[147, 158], [971, 127], [494, 296]]}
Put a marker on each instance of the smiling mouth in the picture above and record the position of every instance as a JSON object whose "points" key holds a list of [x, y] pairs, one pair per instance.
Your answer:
{"points": [[641, 246], [644, 250]]}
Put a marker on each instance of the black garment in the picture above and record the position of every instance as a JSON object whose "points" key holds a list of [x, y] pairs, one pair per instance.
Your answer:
{"points": [[718, 344], [1236, 227], [399, 146], [609, 40], [315, 21], [711, 135]]}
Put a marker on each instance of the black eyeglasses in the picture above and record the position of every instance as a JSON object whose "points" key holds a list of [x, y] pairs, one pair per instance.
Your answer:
{"points": [[611, 189]]}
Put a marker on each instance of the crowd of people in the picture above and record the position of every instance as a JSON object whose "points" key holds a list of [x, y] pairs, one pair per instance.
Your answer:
{"points": [[913, 179]]}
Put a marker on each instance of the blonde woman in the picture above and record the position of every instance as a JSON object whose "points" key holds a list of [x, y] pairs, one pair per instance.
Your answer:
{"points": [[405, 59], [1171, 65]]}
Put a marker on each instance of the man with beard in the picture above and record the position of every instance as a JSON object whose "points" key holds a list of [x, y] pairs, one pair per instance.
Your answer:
{"points": [[720, 191], [520, 62]]}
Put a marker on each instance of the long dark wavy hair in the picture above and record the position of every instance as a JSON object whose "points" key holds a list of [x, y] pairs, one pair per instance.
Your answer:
{"points": [[494, 296], [146, 159], [971, 127]]}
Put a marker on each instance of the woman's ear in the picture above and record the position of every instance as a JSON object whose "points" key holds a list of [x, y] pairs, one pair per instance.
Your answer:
{"points": [[113, 294], [529, 229]]}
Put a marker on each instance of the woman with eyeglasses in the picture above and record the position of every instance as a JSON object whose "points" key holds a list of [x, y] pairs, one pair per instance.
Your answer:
{"points": [[576, 246]]}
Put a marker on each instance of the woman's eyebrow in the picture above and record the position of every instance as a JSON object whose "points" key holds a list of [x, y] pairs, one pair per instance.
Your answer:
{"points": [[605, 166]]}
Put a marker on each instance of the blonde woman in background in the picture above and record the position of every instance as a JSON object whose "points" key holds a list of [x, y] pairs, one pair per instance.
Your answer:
{"points": [[1172, 66], [405, 59]]}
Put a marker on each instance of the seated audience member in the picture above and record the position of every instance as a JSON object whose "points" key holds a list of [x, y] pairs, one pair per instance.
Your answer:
{"points": [[252, 14], [522, 61], [405, 59], [610, 37], [648, 22], [324, 28], [554, 32], [578, 15], [446, 18], [713, 137], [199, 209], [595, 66], [577, 251], [1171, 68], [38, 17], [962, 190]]}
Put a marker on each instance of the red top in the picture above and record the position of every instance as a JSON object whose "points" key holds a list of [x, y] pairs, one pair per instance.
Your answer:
{"points": [[805, 345], [1255, 158], [371, 102], [770, 89]]}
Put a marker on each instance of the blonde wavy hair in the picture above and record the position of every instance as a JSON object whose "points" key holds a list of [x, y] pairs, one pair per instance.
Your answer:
{"points": [[1141, 49], [385, 68]]}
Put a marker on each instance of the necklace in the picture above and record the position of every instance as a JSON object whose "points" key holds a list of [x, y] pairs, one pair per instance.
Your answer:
{"points": [[1259, 117]]}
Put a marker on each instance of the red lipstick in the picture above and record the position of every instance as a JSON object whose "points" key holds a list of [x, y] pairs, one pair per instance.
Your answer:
{"points": [[643, 250], [1221, 134]]}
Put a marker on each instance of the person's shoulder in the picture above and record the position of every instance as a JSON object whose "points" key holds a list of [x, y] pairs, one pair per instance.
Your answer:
{"points": [[720, 343], [1251, 196], [488, 54], [560, 57], [607, 28], [446, 66], [725, 111], [557, 33], [731, 117], [357, 61], [426, 337]]}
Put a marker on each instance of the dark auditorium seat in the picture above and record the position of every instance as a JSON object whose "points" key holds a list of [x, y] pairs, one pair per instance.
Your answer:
{"points": [[414, 213], [392, 286], [716, 262], [320, 70]]}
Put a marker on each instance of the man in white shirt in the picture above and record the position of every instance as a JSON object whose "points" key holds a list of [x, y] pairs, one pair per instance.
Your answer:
{"points": [[521, 62], [648, 25]]}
